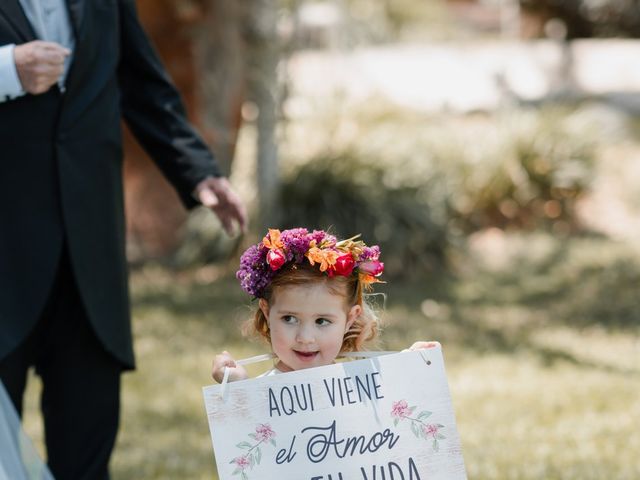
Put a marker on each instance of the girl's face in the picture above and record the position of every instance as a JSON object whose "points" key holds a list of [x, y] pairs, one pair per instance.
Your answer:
{"points": [[307, 324]]}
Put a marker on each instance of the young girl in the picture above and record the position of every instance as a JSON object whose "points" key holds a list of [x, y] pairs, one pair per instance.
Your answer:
{"points": [[311, 306]]}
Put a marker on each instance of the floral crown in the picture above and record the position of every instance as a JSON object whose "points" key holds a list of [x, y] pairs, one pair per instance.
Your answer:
{"points": [[260, 263]]}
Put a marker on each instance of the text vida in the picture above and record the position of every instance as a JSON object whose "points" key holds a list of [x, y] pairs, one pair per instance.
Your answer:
{"points": [[390, 471]]}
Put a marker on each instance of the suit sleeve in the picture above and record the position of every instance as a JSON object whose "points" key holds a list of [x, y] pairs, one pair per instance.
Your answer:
{"points": [[153, 109]]}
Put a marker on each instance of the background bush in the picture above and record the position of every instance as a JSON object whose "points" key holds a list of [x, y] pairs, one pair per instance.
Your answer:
{"points": [[349, 195], [511, 170]]}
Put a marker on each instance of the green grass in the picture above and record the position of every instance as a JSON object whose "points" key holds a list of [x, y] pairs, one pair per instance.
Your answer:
{"points": [[540, 336]]}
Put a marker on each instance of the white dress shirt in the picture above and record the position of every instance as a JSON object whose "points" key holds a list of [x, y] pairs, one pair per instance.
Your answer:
{"points": [[50, 21], [10, 86]]}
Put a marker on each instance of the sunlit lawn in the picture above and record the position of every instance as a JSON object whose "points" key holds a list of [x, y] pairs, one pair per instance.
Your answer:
{"points": [[540, 336]]}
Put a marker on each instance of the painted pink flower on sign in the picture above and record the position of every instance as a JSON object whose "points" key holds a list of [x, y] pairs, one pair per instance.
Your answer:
{"points": [[263, 434], [241, 462], [431, 429], [400, 410]]}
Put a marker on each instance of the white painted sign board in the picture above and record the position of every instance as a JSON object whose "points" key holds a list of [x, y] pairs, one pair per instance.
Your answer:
{"points": [[384, 418]]}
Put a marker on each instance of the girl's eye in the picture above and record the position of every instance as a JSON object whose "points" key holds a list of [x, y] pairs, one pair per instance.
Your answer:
{"points": [[289, 319], [323, 321]]}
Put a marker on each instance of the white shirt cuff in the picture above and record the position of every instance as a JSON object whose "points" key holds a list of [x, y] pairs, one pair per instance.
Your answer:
{"points": [[10, 86]]}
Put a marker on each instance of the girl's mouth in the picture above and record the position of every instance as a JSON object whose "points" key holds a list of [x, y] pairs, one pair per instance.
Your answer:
{"points": [[305, 356]]}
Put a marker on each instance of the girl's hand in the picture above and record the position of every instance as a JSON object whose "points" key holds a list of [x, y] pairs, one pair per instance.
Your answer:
{"points": [[422, 346], [225, 360]]}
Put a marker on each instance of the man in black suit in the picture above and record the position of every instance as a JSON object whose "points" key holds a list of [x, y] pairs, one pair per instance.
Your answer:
{"points": [[69, 71]]}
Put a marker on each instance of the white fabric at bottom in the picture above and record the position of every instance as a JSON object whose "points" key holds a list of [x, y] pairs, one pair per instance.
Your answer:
{"points": [[18, 458]]}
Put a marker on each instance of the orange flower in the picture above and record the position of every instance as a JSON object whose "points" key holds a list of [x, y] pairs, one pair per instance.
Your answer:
{"points": [[367, 280], [273, 241], [326, 258]]}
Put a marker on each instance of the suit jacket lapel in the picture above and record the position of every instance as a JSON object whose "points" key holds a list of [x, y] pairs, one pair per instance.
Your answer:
{"points": [[14, 14], [76, 14], [77, 18]]}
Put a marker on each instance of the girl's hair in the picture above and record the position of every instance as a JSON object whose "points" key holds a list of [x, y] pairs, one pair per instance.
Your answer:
{"points": [[364, 328]]}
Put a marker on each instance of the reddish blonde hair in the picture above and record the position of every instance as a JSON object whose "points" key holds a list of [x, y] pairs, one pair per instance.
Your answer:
{"points": [[364, 328]]}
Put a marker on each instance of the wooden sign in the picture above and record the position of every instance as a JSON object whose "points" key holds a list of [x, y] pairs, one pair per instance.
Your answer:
{"points": [[384, 418]]}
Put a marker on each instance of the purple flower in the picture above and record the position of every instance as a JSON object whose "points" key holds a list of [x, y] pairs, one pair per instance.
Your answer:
{"points": [[296, 243], [254, 272], [370, 253]]}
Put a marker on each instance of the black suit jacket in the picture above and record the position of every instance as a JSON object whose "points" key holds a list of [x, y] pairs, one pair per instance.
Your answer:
{"points": [[61, 168]]}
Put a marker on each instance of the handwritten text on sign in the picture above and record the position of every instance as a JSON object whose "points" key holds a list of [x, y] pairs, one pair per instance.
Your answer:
{"points": [[387, 418]]}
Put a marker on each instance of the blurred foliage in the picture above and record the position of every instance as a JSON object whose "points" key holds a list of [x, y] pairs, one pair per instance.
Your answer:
{"points": [[362, 22], [581, 282], [404, 13], [385, 20], [591, 18], [512, 170], [352, 195], [536, 169]]}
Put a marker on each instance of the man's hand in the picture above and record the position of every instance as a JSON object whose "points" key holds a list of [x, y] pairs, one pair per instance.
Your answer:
{"points": [[39, 64], [217, 194]]}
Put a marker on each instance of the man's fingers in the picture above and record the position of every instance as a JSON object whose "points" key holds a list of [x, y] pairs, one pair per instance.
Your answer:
{"points": [[52, 57], [227, 224], [223, 209], [51, 49], [208, 198], [49, 70], [39, 64], [238, 212], [217, 194], [225, 217], [41, 51], [229, 213], [54, 47]]}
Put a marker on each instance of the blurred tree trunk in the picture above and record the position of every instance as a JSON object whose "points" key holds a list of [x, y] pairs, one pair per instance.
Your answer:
{"points": [[239, 53], [221, 59], [220, 53], [154, 213], [263, 53]]}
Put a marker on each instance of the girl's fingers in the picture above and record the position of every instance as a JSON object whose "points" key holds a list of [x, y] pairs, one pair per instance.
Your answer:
{"points": [[423, 345]]}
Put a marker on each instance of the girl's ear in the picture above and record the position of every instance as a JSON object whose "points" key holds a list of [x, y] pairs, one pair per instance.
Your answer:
{"points": [[353, 314], [264, 306]]}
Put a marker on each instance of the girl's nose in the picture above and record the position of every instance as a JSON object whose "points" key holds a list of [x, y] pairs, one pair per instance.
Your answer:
{"points": [[305, 335]]}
